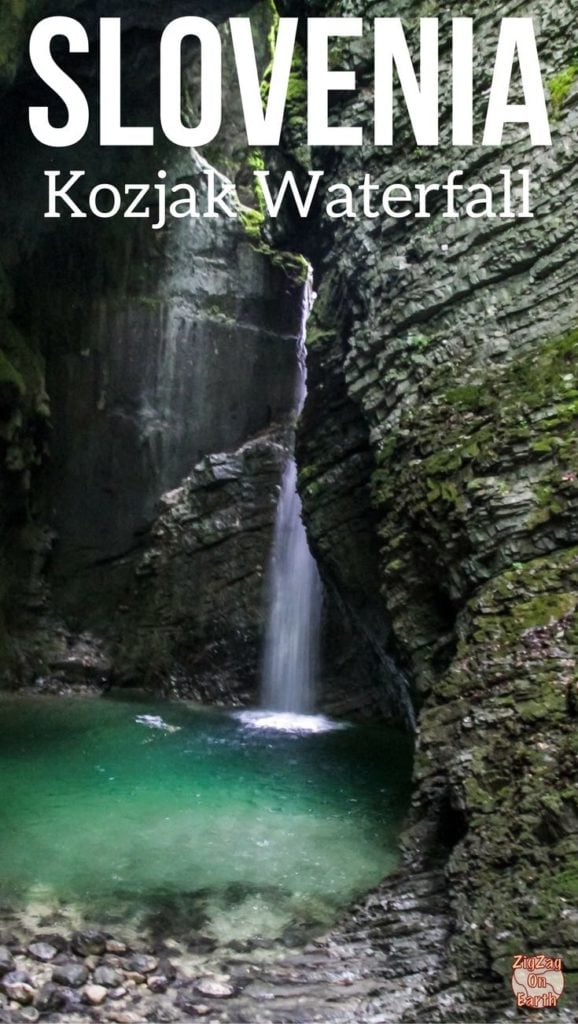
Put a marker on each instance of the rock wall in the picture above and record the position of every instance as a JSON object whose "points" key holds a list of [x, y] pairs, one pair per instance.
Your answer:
{"points": [[128, 355], [438, 472], [191, 601], [452, 346]]}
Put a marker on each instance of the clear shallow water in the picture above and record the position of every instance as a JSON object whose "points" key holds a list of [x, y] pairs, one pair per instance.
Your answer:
{"points": [[213, 823]]}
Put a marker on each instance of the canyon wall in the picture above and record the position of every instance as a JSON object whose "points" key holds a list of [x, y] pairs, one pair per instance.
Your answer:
{"points": [[128, 356], [437, 456], [448, 349]]}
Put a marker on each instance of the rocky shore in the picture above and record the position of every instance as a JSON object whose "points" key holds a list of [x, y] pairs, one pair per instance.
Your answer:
{"points": [[386, 962], [362, 971]]}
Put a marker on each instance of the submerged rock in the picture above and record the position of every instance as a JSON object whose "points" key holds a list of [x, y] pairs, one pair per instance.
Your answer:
{"points": [[107, 977], [95, 994], [50, 997], [7, 962], [89, 942], [115, 947], [42, 951], [72, 975], [157, 982], [142, 963], [215, 988], [17, 985]]}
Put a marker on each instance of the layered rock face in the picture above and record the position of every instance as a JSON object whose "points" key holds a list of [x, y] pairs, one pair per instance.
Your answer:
{"points": [[438, 473], [451, 346], [191, 602], [155, 348]]}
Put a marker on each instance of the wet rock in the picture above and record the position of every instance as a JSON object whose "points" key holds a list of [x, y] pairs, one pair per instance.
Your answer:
{"points": [[72, 975], [89, 942], [55, 939], [73, 1001], [135, 977], [50, 997], [157, 982], [125, 1017], [108, 977], [43, 951], [27, 1015], [95, 994], [115, 947], [6, 961], [164, 1014], [214, 988], [117, 993], [142, 963], [167, 968], [17, 985], [188, 1002]]}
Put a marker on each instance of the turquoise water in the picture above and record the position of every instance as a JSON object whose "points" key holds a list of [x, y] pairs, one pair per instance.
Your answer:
{"points": [[193, 817]]}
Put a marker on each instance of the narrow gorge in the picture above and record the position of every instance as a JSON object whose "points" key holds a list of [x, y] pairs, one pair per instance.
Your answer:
{"points": [[288, 559]]}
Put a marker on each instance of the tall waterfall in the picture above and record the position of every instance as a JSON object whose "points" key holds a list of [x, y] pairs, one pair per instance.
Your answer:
{"points": [[294, 588]]}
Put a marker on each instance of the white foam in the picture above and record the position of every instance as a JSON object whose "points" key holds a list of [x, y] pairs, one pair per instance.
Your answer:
{"points": [[287, 721], [156, 722]]}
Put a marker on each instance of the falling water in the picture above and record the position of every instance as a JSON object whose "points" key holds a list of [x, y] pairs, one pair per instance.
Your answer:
{"points": [[294, 587]]}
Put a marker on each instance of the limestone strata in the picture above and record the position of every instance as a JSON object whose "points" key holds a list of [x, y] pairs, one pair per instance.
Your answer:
{"points": [[192, 607], [455, 342]]}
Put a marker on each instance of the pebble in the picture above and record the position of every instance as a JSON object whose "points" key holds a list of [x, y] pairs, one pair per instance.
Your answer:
{"points": [[70, 974], [214, 988], [166, 1015], [141, 963], [89, 942], [157, 982], [42, 951], [136, 977], [6, 961], [53, 939], [108, 977], [112, 946], [72, 1001], [50, 997], [125, 1017], [29, 1013], [117, 993], [18, 986], [95, 994]]}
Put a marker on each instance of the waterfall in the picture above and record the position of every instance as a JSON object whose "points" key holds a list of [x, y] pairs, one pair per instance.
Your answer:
{"points": [[293, 588]]}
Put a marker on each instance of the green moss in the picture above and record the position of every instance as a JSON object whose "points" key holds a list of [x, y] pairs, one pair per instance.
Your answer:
{"points": [[318, 336], [252, 222], [419, 341], [467, 397], [565, 884], [445, 450], [297, 89], [294, 265], [22, 369], [560, 86], [296, 99], [10, 377]]}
